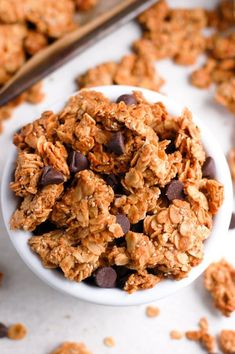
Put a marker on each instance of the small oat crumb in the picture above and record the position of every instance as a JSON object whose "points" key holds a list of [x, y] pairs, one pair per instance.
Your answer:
{"points": [[176, 334], [109, 342], [152, 311], [17, 331]]}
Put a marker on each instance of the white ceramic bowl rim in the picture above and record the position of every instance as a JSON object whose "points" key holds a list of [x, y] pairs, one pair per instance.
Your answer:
{"points": [[116, 297]]}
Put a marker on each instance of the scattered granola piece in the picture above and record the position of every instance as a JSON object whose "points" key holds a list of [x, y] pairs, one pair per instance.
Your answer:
{"points": [[17, 331], [109, 342], [227, 341], [176, 335], [135, 70], [219, 280], [225, 94], [152, 311], [203, 336], [71, 348]]}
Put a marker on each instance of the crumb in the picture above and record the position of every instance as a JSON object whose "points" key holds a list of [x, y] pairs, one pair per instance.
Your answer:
{"points": [[17, 331], [109, 342], [152, 311], [176, 335]]}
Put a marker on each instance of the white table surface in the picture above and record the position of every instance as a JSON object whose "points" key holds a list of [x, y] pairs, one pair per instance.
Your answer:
{"points": [[52, 317]]}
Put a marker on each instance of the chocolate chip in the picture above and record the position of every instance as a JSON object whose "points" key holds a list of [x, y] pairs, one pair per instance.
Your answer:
{"points": [[106, 277], [124, 222], [3, 330], [208, 168], [77, 162], [116, 144], [51, 176], [139, 227], [127, 99], [232, 222], [175, 190]]}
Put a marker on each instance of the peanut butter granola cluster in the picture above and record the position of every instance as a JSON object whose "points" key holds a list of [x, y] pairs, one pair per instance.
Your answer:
{"points": [[178, 34], [26, 27], [117, 193], [220, 282]]}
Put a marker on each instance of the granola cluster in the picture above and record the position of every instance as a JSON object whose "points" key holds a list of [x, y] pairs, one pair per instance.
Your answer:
{"points": [[178, 34], [134, 70], [26, 27], [219, 280], [203, 336], [71, 348], [121, 193]]}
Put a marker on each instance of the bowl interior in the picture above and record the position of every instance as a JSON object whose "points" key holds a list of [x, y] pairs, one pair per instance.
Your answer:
{"points": [[118, 297]]}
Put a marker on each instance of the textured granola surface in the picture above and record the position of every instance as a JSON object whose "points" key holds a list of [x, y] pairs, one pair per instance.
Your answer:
{"points": [[121, 186]]}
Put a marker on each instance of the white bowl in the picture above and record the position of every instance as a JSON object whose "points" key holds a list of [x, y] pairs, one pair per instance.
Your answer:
{"points": [[118, 297]]}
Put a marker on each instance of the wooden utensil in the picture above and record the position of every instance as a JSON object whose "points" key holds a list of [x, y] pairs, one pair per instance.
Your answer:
{"points": [[60, 52]]}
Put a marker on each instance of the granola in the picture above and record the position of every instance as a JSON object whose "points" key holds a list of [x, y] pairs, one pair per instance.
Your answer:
{"points": [[71, 348], [134, 70], [126, 188], [203, 336], [227, 341], [152, 311], [26, 27], [219, 280], [109, 342], [174, 334], [17, 331]]}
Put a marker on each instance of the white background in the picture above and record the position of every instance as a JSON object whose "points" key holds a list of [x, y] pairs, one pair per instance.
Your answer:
{"points": [[51, 317]]}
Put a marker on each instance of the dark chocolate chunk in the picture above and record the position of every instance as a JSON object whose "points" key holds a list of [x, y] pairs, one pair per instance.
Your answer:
{"points": [[127, 99], [116, 144], [77, 162], [139, 227], [208, 168], [106, 277], [175, 190], [51, 176], [232, 222], [3, 330], [124, 222]]}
